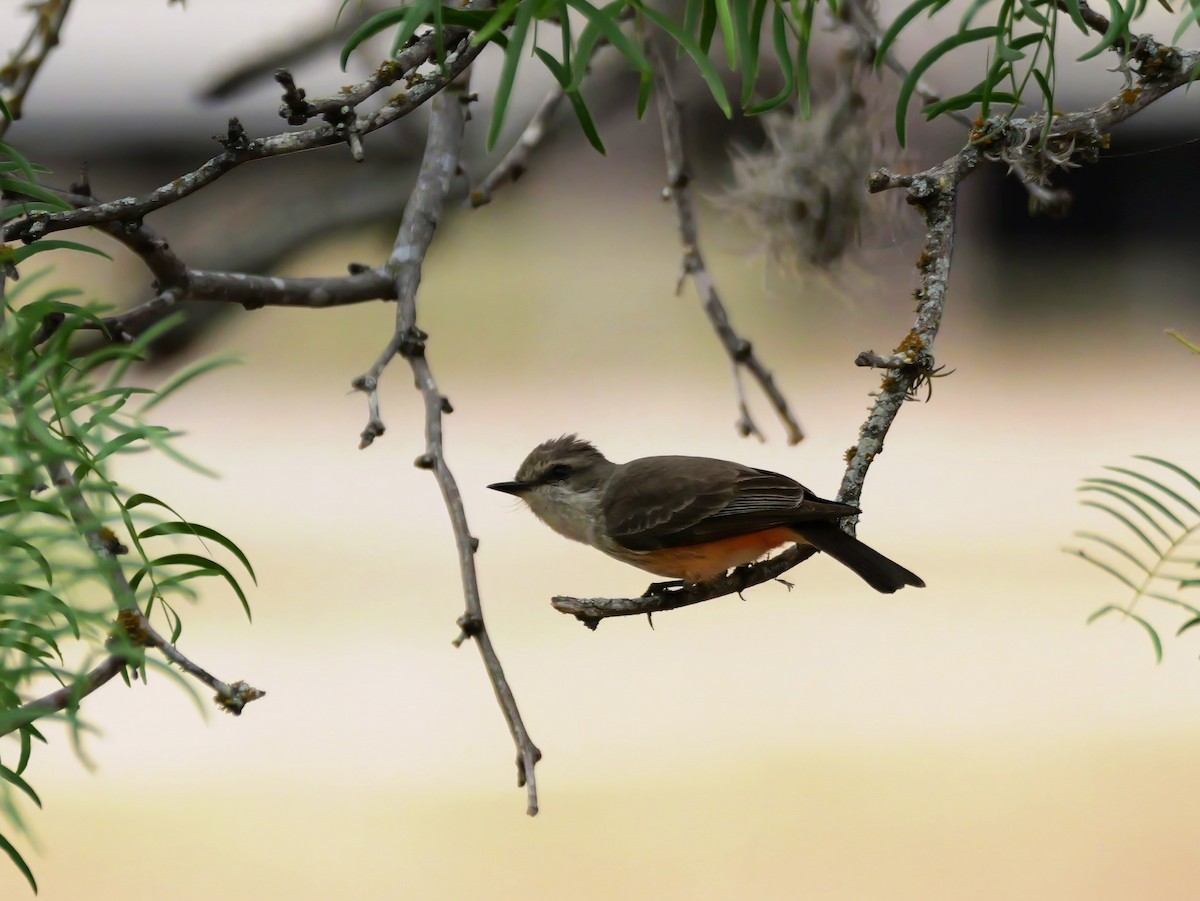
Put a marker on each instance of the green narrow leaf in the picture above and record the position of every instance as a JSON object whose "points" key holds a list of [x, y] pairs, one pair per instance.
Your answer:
{"points": [[1128, 523], [35, 631], [23, 505], [140, 499], [124, 441], [6, 846], [708, 24], [1048, 99], [1127, 501], [1030, 10], [603, 22], [508, 72], [185, 376], [496, 23], [165, 448], [13, 210], [707, 70], [1171, 466], [1138, 493], [201, 532], [19, 784], [1116, 28], [439, 38], [379, 22], [963, 101], [26, 747], [940, 49], [751, 34], [204, 563], [893, 31], [564, 31], [1167, 599], [1108, 568], [563, 77], [418, 12], [1190, 624], [784, 54], [1154, 639], [728, 34], [21, 254], [1108, 608], [1116, 548], [969, 16], [1077, 15], [17, 161], [34, 190], [8, 540], [803, 79], [585, 121]]}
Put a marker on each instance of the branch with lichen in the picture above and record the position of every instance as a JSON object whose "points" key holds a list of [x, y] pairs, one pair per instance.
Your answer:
{"points": [[1021, 142], [240, 148]]}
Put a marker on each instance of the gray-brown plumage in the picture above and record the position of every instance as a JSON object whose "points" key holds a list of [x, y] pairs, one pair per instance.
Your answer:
{"points": [[687, 517]]}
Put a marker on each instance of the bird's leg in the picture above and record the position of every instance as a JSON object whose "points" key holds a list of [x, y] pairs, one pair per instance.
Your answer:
{"points": [[742, 572], [659, 589]]}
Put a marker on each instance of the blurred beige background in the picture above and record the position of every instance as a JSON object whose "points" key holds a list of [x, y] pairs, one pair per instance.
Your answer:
{"points": [[971, 740]]}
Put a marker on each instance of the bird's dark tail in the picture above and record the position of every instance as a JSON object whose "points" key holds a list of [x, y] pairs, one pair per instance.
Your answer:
{"points": [[875, 569]]}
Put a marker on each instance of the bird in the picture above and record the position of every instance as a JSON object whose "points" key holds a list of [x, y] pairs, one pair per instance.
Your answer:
{"points": [[688, 519]]}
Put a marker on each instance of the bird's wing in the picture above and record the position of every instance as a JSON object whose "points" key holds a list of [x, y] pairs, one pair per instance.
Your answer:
{"points": [[662, 502]]}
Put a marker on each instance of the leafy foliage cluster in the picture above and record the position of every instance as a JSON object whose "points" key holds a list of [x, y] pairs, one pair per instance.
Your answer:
{"points": [[66, 415], [1019, 46], [1156, 554]]}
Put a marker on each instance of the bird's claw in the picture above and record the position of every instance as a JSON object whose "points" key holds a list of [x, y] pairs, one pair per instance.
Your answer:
{"points": [[660, 589]]}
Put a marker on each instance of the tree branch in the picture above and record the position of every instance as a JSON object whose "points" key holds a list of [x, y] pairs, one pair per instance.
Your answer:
{"points": [[590, 611], [514, 163], [239, 148], [421, 215], [678, 189]]}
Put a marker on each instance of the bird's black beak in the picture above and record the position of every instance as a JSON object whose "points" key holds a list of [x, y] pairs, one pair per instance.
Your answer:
{"points": [[517, 488]]}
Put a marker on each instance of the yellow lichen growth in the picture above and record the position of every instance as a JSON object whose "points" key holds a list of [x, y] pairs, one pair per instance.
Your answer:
{"points": [[911, 346]]}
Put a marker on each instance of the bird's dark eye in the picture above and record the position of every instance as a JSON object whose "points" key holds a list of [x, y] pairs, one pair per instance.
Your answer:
{"points": [[558, 472]]}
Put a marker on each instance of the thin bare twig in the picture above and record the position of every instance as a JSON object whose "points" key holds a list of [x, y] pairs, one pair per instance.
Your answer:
{"points": [[421, 215], [514, 163], [862, 19], [678, 189], [68, 696], [49, 16]]}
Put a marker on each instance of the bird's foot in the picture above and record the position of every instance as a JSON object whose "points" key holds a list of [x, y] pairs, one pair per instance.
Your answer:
{"points": [[742, 572], [659, 589]]}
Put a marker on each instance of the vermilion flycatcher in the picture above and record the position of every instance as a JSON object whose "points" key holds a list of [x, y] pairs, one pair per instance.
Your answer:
{"points": [[689, 518]]}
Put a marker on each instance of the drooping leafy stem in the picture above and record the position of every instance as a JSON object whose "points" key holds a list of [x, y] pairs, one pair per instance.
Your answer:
{"points": [[1165, 521], [64, 520]]}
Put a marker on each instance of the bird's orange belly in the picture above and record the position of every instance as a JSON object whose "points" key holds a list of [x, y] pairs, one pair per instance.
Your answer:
{"points": [[704, 561]]}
